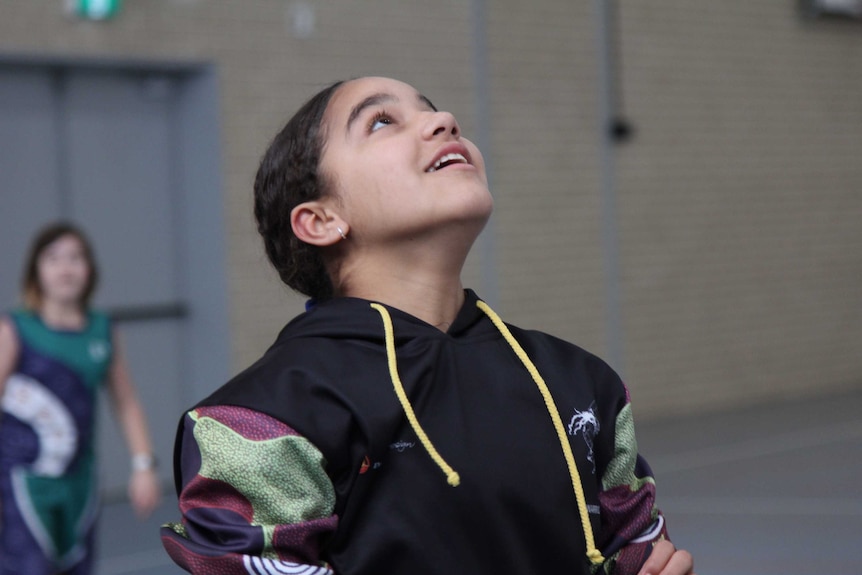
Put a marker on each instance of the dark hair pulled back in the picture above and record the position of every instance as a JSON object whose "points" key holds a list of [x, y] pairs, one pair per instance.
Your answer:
{"points": [[289, 175]]}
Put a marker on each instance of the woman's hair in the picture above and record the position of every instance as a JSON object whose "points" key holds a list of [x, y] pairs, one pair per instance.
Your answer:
{"points": [[31, 288], [289, 174]]}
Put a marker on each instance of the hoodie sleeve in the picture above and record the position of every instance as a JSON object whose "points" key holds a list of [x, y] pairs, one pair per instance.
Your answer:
{"points": [[254, 496], [630, 518]]}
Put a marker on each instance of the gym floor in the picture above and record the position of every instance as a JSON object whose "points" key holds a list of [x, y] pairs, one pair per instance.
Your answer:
{"points": [[764, 490]]}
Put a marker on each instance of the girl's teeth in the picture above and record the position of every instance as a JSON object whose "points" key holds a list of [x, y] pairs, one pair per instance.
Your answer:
{"points": [[447, 158]]}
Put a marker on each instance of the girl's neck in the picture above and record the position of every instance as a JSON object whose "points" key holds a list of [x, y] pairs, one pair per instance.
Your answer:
{"points": [[62, 315], [419, 275], [432, 295]]}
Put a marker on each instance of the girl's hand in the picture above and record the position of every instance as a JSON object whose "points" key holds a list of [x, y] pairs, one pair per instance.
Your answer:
{"points": [[666, 559]]}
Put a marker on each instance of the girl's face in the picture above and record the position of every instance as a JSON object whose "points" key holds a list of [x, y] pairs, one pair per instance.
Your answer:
{"points": [[399, 167], [63, 270]]}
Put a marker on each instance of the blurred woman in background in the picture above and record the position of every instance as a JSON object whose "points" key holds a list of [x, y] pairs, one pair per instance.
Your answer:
{"points": [[56, 352]]}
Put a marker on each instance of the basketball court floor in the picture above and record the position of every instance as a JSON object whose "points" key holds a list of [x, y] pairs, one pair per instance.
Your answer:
{"points": [[766, 490]]}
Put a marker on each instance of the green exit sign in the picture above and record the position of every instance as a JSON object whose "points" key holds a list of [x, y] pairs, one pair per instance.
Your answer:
{"points": [[94, 9]]}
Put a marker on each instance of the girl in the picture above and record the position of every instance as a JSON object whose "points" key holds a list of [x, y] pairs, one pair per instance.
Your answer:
{"points": [[399, 426], [54, 355]]}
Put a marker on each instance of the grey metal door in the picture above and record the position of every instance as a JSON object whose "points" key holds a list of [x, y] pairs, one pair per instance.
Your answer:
{"points": [[103, 147]]}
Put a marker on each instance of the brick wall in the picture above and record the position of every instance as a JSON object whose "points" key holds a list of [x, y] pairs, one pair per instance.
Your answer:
{"points": [[741, 202], [739, 197]]}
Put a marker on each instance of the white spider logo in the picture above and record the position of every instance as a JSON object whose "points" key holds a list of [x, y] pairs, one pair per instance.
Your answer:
{"points": [[587, 424]]}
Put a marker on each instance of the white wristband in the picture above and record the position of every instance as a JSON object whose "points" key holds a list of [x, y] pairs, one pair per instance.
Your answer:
{"points": [[143, 462]]}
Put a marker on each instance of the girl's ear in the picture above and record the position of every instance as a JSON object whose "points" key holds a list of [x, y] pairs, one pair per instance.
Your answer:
{"points": [[317, 224]]}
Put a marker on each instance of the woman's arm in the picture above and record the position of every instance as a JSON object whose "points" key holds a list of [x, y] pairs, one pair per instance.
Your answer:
{"points": [[144, 489], [9, 349], [254, 496]]}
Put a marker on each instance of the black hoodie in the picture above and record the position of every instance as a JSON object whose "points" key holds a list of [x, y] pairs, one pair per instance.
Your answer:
{"points": [[515, 508]]}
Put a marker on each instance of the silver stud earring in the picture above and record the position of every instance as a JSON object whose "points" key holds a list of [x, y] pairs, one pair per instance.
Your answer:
{"points": [[341, 233]]}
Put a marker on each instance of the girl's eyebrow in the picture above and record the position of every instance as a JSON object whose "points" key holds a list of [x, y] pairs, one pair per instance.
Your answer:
{"points": [[381, 98], [372, 100], [427, 102]]}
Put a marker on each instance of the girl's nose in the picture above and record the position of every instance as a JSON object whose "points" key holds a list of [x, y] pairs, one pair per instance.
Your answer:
{"points": [[442, 123]]}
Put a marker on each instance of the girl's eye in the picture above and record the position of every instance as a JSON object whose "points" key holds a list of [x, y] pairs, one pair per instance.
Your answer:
{"points": [[379, 120]]}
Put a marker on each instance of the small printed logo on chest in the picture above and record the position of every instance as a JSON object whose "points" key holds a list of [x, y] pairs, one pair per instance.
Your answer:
{"points": [[586, 424], [401, 446], [98, 349]]}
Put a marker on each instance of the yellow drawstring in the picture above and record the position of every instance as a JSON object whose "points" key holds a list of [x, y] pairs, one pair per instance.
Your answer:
{"points": [[451, 475], [594, 555]]}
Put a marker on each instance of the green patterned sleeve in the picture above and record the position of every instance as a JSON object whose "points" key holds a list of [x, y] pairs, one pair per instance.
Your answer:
{"points": [[631, 519], [254, 496]]}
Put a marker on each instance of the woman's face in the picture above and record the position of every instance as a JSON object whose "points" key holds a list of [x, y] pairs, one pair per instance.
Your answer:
{"points": [[400, 168], [63, 270]]}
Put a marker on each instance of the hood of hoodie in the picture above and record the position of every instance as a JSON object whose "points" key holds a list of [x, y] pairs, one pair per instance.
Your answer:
{"points": [[354, 318]]}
